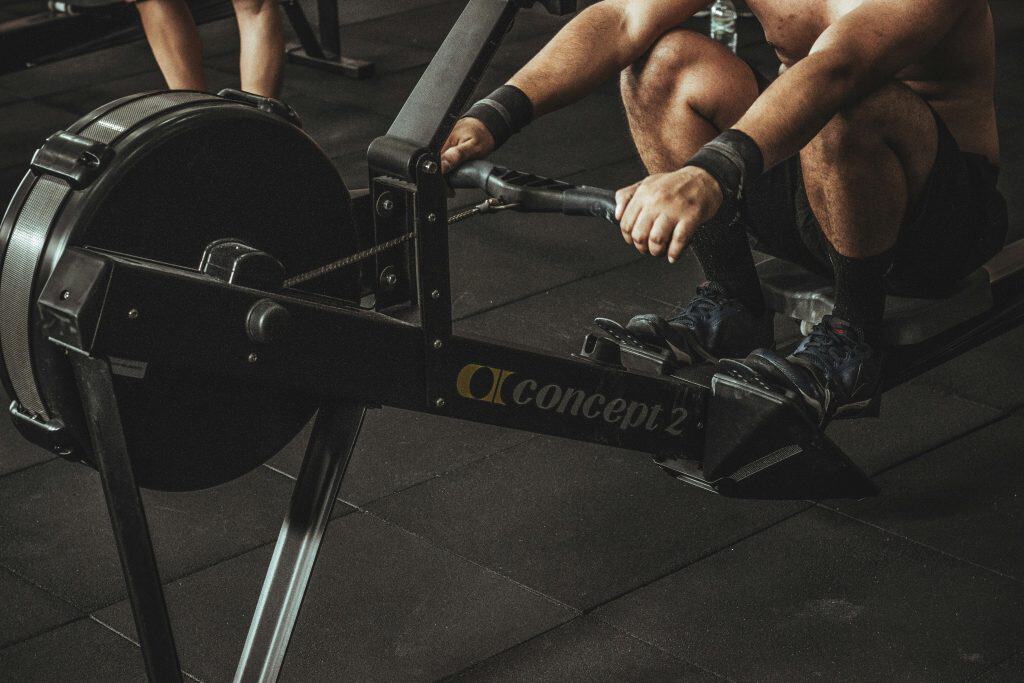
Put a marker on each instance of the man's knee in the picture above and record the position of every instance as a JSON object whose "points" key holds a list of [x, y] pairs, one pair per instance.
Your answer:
{"points": [[690, 67], [892, 116]]}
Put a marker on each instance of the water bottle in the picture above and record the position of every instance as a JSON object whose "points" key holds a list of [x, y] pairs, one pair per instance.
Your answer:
{"points": [[723, 23]]}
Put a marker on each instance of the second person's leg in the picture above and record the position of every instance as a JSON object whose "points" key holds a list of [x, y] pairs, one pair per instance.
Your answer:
{"points": [[262, 46], [174, 40]]}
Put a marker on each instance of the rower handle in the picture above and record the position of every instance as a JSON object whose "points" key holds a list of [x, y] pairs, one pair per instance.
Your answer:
{"points": [[533, 193]]}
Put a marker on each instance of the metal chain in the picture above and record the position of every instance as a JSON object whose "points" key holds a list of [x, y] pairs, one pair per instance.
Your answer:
{"points": [[347, 261], [484, 207]]}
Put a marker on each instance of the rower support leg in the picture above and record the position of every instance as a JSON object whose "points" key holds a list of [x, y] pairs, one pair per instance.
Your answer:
{"points": [[127, 518], [323, 468]]}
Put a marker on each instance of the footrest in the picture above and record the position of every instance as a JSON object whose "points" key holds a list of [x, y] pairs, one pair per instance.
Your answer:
{"points": [[651, 356], [762, 444]]}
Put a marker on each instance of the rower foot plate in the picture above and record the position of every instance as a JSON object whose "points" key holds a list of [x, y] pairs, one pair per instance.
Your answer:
{"points": [[762, 444]]}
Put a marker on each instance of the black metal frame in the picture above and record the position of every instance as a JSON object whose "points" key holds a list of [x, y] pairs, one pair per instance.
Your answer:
{"points": [[70, 28], [754, 436]]}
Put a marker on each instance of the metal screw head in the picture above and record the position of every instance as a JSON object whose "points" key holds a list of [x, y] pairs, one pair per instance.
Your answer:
{"points": [[440, 403], [436, 294], [133, 314], [438, 344], [254, 357], [65, 295], [385, 204], [388, 278], [431, 217], [429, 166]]}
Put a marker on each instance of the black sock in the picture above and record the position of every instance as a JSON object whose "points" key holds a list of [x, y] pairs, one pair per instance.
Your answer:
{"points": [[722, 248], [860, 289]]}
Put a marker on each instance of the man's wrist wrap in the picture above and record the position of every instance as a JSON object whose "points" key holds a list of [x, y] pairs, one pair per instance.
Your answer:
{"points": [[504, 112], [734, 160]]}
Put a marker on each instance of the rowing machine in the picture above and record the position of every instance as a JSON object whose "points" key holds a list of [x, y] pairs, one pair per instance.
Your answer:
{"points": [[166, 316]]}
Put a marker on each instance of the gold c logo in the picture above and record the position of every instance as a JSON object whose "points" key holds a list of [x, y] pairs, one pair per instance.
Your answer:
{"points": [[463, 384]]}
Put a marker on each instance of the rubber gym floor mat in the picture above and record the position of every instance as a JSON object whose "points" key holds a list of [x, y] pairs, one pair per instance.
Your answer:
{"points": [[384, 605]]}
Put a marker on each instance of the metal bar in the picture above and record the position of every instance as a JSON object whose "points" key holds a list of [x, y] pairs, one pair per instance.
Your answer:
{"points": [[442, 91], [316, 489], [433, 280], [127, 518], [307, 38], [330, 33]]}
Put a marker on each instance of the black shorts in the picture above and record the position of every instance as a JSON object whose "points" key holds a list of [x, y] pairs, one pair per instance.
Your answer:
{"points": [[959, 223]]}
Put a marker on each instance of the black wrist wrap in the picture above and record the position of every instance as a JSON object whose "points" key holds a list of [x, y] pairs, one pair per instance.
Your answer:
{"points": [[504, 112], [733, 159]]}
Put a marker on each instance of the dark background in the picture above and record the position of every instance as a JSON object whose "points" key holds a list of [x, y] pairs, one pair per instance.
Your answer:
{"points": [[467, 550]]}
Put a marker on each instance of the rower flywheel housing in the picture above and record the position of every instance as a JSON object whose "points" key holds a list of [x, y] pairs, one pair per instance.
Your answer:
{"points": [[160, 176]]}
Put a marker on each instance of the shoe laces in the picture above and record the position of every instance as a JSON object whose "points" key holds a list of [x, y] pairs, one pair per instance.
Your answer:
{"points": [[709, 299], [829, 345]]}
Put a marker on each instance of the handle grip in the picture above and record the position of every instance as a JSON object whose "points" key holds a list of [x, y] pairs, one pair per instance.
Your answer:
{"points": [[535, 193]]}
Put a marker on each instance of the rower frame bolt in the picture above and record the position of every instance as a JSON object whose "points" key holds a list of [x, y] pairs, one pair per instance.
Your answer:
{"points": [[429, 167], [431, 217], [385, 204], [440, 403], [388, 278], [436, 294], [254, 357], [438, 344], [133, 314], [65, 295]]}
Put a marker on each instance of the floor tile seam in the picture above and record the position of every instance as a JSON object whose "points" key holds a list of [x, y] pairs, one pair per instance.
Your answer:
{"points": [[24, 468], [21, 641], [43, 97], [530, 295], [948, 390], [942, 444], [487, 658], [657, 647], [903, 537], [357, 509], [81, 611], [707, 555], [357, 506], [477, 462], [125, 636], [994, 666], [489, 570], [168, 582], [79, 616]]}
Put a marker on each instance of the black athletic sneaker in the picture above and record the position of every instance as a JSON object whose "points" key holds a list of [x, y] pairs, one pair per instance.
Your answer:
{"points": [[713, 325], [835, 370]]}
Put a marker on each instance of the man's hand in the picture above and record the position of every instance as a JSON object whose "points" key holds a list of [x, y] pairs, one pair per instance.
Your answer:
{"points": [[663, 211], [469, 140]]}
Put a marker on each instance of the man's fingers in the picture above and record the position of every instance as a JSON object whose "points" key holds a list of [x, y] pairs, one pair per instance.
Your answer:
{"points": [[451, 157], [680, 238], [622, 198], [642, 230], [661, 234], [633, 208]]}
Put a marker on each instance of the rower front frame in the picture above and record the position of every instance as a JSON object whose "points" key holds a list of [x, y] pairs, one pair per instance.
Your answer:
{"points": [[150, 313]]}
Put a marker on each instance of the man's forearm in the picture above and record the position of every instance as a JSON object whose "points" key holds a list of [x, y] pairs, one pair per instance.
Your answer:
{"points": [[791, 112]]}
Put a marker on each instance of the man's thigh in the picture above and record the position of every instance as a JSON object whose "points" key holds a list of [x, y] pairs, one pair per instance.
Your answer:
{"points": [[955, 223]]}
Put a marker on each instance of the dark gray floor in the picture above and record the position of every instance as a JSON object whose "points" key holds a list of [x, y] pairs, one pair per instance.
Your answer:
{"points": [[486, 554]]}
